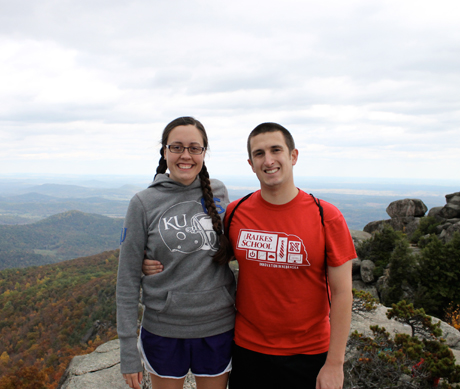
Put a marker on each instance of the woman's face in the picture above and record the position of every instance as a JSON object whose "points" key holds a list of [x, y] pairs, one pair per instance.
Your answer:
{"points": [[184, 167]]}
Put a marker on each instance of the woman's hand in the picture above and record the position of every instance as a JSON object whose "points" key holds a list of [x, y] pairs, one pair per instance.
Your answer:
{"points": [[151, 266], [133, 380]]}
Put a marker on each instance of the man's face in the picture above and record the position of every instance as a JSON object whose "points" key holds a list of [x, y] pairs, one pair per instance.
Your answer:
{"points": [[271, 160]]}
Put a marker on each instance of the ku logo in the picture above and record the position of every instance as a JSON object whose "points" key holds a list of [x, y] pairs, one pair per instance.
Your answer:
{"points": [[185, 228], [263, 246]]}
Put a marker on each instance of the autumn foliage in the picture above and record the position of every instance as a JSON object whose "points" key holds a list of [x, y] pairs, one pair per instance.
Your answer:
{"points": [[47, 316]]}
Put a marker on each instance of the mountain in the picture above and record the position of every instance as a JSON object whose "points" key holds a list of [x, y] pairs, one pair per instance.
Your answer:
{"points": [[27, 208], [51, 313], [63, 236], [124, 192]]}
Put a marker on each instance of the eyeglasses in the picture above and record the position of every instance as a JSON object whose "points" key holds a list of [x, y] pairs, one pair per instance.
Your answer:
{"points": [[179, 149]]}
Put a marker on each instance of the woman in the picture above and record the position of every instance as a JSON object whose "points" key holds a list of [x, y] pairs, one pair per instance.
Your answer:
{"points": [[189, 306]]}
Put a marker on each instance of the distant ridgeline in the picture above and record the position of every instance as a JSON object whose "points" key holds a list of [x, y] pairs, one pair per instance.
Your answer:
{"points": [[59, 237], [30, 207]]}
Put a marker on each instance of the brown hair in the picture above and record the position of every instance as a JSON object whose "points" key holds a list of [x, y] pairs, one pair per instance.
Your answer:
{"points": [[223, 254], [271, 127]]}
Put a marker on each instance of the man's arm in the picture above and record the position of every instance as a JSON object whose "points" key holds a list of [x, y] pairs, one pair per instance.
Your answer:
{"points": [[331, 374]]}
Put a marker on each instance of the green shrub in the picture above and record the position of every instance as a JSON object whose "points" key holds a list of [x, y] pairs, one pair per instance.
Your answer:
{"points": [[378, 249], [404, 361], [427, 226]]}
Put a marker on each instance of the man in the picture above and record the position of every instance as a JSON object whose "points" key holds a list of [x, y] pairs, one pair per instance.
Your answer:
{"points": [[286, 335]]}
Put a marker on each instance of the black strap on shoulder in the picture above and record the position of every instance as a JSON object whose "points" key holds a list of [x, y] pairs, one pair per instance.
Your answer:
{"points": [[318, 203], [227, 230]]}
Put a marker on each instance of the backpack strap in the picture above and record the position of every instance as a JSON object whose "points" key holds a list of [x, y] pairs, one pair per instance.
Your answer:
{"points": [[318, 203], [227, 230]]}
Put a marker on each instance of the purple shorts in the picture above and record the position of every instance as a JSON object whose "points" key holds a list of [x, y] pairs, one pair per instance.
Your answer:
{"points": [[173, 357]]}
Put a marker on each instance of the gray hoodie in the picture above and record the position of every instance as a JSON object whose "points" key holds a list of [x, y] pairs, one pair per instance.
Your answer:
{"points": [[193, 297]]}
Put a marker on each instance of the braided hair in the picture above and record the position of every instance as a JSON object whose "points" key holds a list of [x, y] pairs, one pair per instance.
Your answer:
{"points": [[224, 253]]}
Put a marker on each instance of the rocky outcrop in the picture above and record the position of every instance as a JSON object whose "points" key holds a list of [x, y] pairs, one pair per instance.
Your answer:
{"points": [[367, 271], [405, 216], [407, 208], [452, 209], [101, 368]]}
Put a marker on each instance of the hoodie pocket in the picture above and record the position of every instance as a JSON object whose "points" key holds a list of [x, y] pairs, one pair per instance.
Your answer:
{"points": [[199, 307]]}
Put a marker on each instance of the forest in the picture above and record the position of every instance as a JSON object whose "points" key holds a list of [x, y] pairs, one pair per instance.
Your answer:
{"points": [[48, 315]]}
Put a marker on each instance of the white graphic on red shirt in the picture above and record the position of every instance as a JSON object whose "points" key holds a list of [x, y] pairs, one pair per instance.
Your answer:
{"points": [[275, 247]]}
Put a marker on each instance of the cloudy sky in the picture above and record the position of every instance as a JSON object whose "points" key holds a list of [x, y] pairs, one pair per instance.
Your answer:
{"points": [[368, 88]]}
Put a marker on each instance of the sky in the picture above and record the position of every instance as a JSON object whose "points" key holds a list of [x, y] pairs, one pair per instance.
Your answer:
{"points": [[367, 88]]}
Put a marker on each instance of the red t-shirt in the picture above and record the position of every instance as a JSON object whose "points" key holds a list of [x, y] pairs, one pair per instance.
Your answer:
{"points": [[281, 300]]}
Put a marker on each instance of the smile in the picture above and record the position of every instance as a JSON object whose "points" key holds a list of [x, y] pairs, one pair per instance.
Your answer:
{"points": [[183, 166], [271, 171]]}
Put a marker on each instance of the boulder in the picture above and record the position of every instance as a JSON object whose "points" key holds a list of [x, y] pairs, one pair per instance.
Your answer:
{"points": [[452, 208], [448, 233], [100, 369], [360, 285], [359, 236], [453, 198], [407, 207], [367, 271], [450, 211], [376, 226], [407, 224], [434, 212]]}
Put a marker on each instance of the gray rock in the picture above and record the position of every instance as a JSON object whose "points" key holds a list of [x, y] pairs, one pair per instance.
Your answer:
{"points": [[450, 211], [434, 212], [376, 226], [110, 378], [367, 271], [408, 224], [359, 236], [382, 284], [101, 370], [100, 359], [407, 207], [448, 234], [360, 285], [453, 198], [356, 266], [363, 320]]}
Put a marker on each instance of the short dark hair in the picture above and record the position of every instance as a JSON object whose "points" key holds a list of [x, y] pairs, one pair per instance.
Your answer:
{"points": [[271, 127]]}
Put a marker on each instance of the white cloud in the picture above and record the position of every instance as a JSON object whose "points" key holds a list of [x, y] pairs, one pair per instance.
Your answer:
{"points": [[366, 88]]}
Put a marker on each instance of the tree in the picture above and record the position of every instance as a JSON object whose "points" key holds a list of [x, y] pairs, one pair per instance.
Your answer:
{"points": [[379, 247], [403, 274], [442, 288], [28, 377]]}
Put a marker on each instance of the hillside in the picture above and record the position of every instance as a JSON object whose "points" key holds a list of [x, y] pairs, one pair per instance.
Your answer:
{"points": [[48, 313], [63, 236], [30, 207]]}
